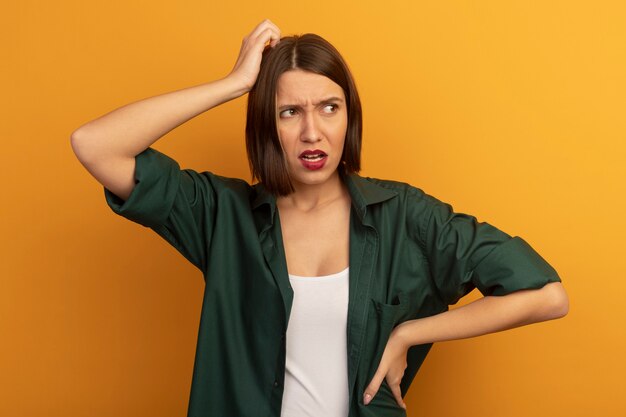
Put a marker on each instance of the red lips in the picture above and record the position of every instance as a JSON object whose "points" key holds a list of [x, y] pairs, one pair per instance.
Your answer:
{"points": [[313, 159], [312, 153]]}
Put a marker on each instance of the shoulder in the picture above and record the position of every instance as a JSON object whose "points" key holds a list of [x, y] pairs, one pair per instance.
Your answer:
{"points": [[405, 204], [398, 186], [160, 167], [214, 188], [406, 193], [224, 184]]}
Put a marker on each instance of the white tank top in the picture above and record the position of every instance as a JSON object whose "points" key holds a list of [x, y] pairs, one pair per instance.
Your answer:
{"points": [[316, 369]]}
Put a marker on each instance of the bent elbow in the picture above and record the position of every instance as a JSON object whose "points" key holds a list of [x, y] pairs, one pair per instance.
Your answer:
{"points": [[85, 146], [559, 301], [78, 144]]}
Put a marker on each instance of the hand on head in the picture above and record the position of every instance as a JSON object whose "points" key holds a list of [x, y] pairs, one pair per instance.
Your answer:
{"points": [[249, 60]]}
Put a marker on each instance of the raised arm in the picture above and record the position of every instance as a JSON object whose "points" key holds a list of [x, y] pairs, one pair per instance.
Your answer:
{"points": [[107, 146]]}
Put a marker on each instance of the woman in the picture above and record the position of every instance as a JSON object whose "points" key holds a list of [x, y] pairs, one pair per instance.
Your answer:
{"points": [[324, 290]]}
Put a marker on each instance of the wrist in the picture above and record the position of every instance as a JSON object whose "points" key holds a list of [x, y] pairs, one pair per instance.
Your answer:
{"points": [[240, 85], [406, 333]]}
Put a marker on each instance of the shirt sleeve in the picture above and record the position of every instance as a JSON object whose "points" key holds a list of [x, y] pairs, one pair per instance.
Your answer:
{"points": [[177, 204], [464, 254]]}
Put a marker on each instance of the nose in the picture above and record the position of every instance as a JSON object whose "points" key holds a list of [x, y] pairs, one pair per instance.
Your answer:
{"points": [[310, 128]]}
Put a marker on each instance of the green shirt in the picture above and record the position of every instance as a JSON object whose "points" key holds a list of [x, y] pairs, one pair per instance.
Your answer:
{"points": [[410, 257]]}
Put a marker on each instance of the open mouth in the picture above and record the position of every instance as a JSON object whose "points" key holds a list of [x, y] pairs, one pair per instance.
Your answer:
{"points": [[313, 159], [312, 156]]}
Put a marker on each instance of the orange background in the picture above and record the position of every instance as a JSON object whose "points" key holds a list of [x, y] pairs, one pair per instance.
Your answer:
{"points": [[511, 111]]}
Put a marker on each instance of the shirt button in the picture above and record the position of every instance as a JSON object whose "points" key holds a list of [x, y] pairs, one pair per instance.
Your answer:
{"points": [[276, 384]]}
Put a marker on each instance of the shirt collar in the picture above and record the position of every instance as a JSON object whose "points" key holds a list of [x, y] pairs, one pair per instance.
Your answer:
{"points": [[363, 193]]}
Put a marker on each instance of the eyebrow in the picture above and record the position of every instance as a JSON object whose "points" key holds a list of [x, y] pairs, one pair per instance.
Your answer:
{"points": [[324, 101]]}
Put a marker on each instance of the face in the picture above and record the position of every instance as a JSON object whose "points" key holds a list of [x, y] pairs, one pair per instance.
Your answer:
{"points": [[312, 120]]}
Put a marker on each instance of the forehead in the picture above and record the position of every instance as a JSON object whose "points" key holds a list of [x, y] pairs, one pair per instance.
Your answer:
{"points": [[302, 87]]}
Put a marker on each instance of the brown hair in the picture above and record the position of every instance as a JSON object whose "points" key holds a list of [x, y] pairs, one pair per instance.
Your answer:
{"points": [[308, 52]]}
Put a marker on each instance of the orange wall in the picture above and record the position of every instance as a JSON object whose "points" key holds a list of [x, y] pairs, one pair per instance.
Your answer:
{"points": [[510, 111]]}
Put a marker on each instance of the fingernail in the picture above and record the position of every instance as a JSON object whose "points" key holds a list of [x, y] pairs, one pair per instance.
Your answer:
{"points": [[367, 398]]}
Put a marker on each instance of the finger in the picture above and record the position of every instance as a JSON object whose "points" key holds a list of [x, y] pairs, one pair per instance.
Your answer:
{"points": [[258, 42], [397, 393], [272, 25], [372, 388], [258, 29], [261, 27], [255, 46], [275, 41], [269, 35]]}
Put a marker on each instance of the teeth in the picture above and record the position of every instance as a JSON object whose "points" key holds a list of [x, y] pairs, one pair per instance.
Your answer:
{"points": [[312, 157]]}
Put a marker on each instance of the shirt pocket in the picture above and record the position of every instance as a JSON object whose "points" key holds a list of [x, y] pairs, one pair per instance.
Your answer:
{"points": [[382, 319]]}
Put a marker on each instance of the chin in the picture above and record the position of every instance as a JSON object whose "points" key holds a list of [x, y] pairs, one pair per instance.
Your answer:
{"points": [[313, 178]]}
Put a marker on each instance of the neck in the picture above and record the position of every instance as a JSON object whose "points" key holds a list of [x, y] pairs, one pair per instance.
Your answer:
{"points": [[308, 197]]}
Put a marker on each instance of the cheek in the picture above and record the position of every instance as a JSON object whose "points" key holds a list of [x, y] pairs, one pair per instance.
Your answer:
{"points": [[285, 137], [284, 130], [341, 126], [341, 132]]}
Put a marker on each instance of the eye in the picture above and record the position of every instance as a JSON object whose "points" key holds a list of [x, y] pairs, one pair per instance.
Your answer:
{"points": [[287, 113], [330, 108]]}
